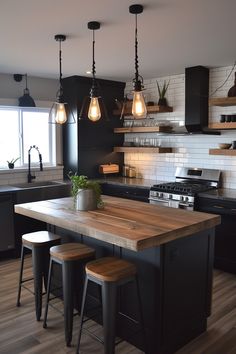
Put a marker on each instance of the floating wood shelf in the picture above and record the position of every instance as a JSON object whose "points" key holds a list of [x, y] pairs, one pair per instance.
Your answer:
{"points": [[229, 125], [222, 101], [150, 109], [143, 129], [158, 150], [227, 152]]}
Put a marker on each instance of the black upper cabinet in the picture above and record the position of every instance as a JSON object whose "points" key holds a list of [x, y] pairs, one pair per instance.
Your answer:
{"points": [[88, 144], [196, 98]]}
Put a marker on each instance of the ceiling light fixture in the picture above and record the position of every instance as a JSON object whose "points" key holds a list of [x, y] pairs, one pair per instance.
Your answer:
{"points": [[26, 100], [94, 111], [58, 113], [139, 109]]}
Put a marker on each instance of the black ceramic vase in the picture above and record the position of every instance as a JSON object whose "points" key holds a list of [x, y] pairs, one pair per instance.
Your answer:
{"points": [[162, 102]]}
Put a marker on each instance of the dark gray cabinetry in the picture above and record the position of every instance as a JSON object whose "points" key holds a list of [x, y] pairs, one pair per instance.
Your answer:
{"points": [[88, 144], [225, 233], [7, 238]]}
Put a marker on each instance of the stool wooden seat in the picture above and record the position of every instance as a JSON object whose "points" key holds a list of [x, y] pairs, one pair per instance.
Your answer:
{"points": [[71, 252], [70, 256], [109, 273], [39, 243], [110, 269]]}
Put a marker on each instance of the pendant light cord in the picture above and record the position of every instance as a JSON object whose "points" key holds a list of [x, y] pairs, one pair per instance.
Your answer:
{"points": [[26, 86], [60, 69], [93, 64], [136, 50]]}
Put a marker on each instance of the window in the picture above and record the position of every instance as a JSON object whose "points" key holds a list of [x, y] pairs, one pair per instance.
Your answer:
{"points": [[21, 128]]}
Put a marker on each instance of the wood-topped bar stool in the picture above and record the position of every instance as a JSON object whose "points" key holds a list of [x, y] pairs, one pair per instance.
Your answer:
{"points": [[71, 256], [110, 273], [39, 243]]}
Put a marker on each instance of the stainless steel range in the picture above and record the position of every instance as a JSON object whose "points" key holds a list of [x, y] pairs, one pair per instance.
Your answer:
{"points": [[183, 192]]}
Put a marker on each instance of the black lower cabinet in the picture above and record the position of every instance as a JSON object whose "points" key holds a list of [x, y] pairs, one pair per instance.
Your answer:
{"points": [[225, 234], [7, 238], [124, 191]]}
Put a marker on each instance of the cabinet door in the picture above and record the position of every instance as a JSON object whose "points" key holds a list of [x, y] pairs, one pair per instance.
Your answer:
{"points": [[7, 239]]}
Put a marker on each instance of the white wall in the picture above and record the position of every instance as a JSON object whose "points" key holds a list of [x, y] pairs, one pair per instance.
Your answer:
{"points": [[41, 89], [189, 150]]}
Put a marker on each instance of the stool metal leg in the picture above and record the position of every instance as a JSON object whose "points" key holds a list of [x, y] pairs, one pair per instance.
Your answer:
{"points": [[21, 275], [38, 271], [141, 316], [68, 294], [82, 312], [48, 293], [109, 302], [45, 270]]}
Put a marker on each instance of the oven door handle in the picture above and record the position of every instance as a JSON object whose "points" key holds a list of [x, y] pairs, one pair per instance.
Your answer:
{"points": [[159, 200]]}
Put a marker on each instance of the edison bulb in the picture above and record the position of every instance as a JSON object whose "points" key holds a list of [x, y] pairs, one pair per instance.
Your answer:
{"points": [[94, 112], [60, 114], [139, 109]]}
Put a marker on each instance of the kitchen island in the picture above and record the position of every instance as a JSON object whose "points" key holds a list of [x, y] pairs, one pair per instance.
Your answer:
{"points": [[173, 252]]}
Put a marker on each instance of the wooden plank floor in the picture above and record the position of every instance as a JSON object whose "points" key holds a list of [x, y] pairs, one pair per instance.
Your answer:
{"points": [[21, 333]]}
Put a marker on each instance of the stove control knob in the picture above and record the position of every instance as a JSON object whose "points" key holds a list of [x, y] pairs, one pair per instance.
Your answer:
{"points": [[181, 198], [186, 199], [170, 196], [161, 195]]}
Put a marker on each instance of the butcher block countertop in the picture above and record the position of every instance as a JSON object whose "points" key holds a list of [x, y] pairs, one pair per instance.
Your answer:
{"points": [[126, 223]]}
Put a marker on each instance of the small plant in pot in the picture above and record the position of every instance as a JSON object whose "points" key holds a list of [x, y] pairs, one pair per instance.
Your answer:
{"points": [[11, 163], [162, 92], [86, 193]]}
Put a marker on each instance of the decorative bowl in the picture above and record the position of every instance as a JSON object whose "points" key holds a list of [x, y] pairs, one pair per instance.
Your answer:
{"points": [[224, 146]]}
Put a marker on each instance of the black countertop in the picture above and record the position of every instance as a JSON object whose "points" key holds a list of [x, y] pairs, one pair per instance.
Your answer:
{"points": [[220, 194], [130, 182]]}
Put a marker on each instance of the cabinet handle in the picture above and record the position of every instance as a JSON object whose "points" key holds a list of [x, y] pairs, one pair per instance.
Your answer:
{"points": [[218, 206]]}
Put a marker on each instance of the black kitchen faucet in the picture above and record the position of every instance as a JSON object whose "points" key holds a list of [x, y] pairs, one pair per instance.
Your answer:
{"points": [[30, 177]]}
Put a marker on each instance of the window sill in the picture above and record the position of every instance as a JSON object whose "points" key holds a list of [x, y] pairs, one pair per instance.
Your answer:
{"points": [[25, 169]]}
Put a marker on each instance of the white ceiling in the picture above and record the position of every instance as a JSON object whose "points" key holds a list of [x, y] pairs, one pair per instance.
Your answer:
{"points": [[173, 34]]}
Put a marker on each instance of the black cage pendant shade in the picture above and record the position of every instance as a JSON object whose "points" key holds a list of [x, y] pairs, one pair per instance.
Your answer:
{"points": [[93, 106], [139, 109], [26, 100], [59, 112]]}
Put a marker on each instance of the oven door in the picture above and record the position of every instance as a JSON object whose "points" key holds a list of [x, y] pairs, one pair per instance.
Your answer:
{"points": [[164, 202]]}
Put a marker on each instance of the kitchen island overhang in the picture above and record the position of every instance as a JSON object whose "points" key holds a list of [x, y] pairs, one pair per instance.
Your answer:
{"points": [[172, 249]]}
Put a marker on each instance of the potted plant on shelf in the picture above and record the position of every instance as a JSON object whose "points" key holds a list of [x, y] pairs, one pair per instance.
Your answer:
{"points": [[11, 163], [86, 193], [162, 92]]}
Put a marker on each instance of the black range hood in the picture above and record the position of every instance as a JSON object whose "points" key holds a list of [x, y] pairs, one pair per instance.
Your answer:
{"points": [[196, 102]]}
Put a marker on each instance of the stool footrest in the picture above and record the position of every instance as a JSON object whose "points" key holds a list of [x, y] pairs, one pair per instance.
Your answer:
{"points": [[26, 279]]}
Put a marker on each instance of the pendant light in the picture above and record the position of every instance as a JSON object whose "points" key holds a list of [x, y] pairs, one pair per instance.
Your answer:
{"points": [[58, 113], [139, 109], [26, 100], [94, 111]]}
